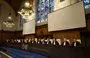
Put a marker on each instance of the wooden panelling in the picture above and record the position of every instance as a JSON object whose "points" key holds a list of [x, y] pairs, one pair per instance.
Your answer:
{"points": [[29, 36], [88, 24], [10, 35], [42, 32], [67, 34]]}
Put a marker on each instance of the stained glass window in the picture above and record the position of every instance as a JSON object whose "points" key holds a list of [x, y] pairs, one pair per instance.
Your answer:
{"points": [[51, 5], [87, 3], [43, 8]]}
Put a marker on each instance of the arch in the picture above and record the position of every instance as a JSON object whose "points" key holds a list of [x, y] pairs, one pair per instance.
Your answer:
{"points": [[6, 4], [5, 10]]}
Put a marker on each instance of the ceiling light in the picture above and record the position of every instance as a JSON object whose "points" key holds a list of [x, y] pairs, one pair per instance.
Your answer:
{"points": [[27, 12]]}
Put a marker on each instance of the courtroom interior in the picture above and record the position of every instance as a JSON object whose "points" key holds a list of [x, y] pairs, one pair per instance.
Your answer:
{"points": [[44, 28]]}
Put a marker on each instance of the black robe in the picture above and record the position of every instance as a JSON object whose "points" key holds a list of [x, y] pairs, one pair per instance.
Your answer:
{"points": [[67, 43]]}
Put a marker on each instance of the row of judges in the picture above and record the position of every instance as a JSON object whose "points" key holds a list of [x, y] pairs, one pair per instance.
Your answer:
{"points": [[64, 42]]}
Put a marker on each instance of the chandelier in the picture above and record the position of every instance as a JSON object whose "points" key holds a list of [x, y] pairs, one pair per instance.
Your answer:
{"points": [[9, 22], [26, 12]]}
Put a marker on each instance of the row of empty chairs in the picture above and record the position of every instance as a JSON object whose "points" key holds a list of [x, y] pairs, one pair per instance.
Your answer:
{"points": [[64, 42]]}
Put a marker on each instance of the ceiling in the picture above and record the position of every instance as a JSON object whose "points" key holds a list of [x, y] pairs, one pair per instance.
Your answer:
{"points": [[15, 4]]}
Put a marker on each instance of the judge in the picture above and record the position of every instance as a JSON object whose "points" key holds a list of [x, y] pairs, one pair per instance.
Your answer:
{"points": [[66, 42], [76, 42], [55, 42], [59, 41], [48, 41]]}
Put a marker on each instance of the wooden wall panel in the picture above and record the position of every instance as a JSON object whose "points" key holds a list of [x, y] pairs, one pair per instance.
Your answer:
{"points": [[88, 24], [10, 35], [67, 34], [42, 32]]}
